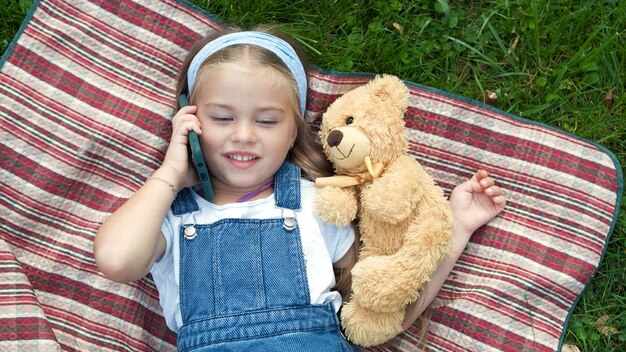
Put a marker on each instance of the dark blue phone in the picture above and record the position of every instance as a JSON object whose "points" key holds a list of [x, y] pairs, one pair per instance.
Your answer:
{"points": [[197, 157]]}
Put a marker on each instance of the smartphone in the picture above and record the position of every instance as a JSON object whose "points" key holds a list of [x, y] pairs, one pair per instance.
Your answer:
{"points": [[197, 157]]}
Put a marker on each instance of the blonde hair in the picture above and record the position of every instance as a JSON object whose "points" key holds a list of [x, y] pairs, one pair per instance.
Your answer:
{"points": [[306, 151]]}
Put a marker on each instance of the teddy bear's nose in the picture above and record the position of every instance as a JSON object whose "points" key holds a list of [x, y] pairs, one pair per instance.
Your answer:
{"points": [[334, 138]]}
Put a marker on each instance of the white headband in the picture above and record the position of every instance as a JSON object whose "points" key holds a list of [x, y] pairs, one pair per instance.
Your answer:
{"points": [[279, 47]]}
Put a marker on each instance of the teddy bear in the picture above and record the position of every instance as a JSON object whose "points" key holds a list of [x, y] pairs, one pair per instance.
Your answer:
{"points": [[403, 218]]}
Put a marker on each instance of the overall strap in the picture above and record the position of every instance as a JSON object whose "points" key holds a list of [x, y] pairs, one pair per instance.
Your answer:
{"points": [[184, 202], [287, 186]]}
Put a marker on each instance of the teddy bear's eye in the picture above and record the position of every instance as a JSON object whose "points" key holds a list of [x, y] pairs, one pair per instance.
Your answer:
{"points": [[349, 120]]}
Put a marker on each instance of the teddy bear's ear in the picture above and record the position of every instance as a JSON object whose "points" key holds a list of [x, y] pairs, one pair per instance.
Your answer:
{"points": [[390, 89]]}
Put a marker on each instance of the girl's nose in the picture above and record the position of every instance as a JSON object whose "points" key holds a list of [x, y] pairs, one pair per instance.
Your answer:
{"points": [[244, 133]]}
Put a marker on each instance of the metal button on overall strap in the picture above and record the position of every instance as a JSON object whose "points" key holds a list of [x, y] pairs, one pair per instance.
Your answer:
{"points": [[190, 229], [290, 222]]}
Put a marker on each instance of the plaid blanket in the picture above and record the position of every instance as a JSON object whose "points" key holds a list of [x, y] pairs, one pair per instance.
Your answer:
{"points": [[86, 95]]}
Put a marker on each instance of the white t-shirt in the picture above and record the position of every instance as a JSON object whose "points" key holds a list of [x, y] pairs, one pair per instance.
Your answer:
{"points": [[322, 244]]}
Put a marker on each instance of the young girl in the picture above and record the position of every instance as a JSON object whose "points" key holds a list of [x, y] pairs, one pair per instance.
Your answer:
{"points": [[253, 270]]}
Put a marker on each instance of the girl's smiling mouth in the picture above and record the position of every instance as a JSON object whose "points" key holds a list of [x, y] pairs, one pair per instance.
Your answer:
{"points": [[242, 160]]}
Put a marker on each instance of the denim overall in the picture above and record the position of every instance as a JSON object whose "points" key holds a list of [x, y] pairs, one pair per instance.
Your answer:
{"points": [[243, 282]]}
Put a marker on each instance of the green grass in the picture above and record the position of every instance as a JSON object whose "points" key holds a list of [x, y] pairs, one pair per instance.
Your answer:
{"points": [[11, 15], [562, 63]]}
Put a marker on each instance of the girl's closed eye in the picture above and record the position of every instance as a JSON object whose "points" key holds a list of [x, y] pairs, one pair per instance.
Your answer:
{"points": [[217, 112], [270, 117], [267, 121], [221, 118]]}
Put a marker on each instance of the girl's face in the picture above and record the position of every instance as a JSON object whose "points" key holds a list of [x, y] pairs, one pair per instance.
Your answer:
{"points": [[248, 125]]}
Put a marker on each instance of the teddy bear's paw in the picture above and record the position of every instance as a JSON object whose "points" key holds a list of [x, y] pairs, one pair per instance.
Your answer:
{"points": [[335, 206], [368, 328], [376, 285], [382, 203], [386, 203]]}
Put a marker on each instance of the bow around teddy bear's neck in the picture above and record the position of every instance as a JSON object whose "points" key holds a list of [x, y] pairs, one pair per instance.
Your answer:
{"points": [[374, 170]]}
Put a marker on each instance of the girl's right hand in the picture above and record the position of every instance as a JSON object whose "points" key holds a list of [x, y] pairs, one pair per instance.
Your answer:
{"points": [[177, 157]]}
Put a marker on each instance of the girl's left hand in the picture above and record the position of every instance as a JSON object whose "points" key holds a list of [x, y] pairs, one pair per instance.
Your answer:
{"points": [[475, 202]]}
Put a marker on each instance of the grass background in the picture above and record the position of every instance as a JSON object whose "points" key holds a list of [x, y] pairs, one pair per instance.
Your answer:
{"points": [[560, 62]]}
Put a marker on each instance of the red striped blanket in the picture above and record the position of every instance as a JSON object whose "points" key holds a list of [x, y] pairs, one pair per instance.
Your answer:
{"points": [[86, 94]]}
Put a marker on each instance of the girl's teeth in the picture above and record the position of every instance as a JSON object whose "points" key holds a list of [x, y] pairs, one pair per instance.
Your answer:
{"points": [[242, 157]]}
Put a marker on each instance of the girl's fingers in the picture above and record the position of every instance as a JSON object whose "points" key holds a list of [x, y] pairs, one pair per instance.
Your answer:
{"points": [[186, 122], [192, 125], [487, 182], [184, 118], [189, 109], [492, 191], [499, 201], [185, 113], [481, 174]]}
